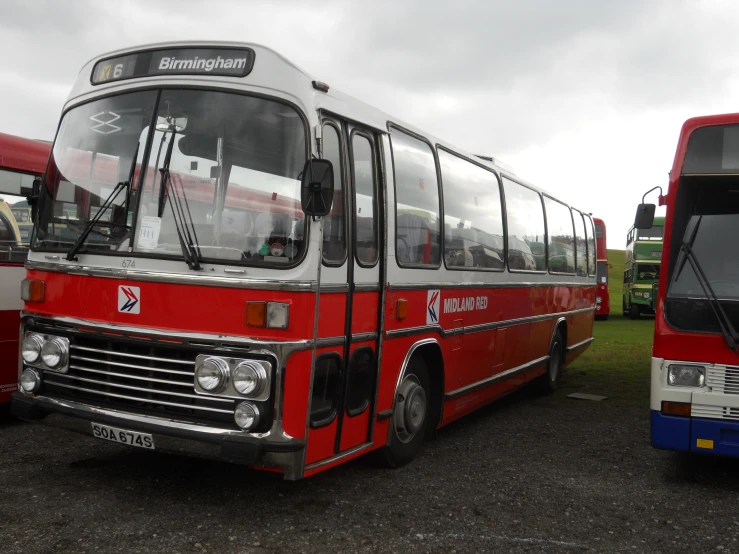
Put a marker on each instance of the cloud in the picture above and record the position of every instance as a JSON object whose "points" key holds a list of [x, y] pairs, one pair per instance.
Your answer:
{"points": [[581, 97]]}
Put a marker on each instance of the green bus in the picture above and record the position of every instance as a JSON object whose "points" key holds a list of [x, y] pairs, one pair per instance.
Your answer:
{"points": [[641, 271]]}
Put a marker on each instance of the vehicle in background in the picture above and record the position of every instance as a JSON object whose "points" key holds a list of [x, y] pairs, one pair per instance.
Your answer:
{"points": [[22, 213], [602, 295], [21, 161], [641, 269], [695, 364], [235, 260]]}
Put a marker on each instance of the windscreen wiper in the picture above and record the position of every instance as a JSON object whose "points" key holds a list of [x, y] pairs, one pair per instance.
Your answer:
{"points": [[689, 244], [72, 254], [188, 241], [727, 329]]}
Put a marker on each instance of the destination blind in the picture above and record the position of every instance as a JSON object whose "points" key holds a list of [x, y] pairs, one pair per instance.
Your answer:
{"points": [[231, 62]]}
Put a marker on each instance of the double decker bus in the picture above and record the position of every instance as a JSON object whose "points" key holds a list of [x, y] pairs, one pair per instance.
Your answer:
{"points": [[695, 363], [641, 269], [602, 296], [21, 161], [235, 260]]}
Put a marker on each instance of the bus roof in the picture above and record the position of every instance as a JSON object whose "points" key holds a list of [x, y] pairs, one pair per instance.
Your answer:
{"points": [[271, 73], [22, 154]]}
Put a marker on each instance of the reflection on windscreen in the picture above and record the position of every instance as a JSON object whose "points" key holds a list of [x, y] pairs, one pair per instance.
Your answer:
{"points": [[234, 164], [717, 255]]}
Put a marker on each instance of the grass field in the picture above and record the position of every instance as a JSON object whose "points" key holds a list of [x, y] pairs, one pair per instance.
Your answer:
{"points": [[617, 363]]}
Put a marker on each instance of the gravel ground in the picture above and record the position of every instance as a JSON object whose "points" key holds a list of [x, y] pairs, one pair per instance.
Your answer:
{"points": [[528, 474]]}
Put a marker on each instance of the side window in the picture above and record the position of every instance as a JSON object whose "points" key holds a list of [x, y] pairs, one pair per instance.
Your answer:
{"points": [[592, 253], [334, 230], [473, 215], [326, 390], [417, 224], [561, 237], [526, 229], [581, 259], [365, 199]]}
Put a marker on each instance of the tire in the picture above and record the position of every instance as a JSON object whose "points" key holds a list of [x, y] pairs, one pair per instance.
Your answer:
{"points": [[547, 383], [601, 318], [624, 309], [634, 311], [410, 419]]}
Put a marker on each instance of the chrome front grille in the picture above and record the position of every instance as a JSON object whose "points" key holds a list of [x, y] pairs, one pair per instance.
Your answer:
{"points": [[723, 379], [133, 376]]}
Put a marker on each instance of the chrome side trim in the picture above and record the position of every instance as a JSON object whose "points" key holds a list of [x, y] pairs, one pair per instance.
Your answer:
{"points": [[338, 456], [366, 287], [495, 378], [138, 399], [330, 341], [177, 278], [504, 285], [364, 337], [334, 287], [580, 344], [410, 331], [338, 341]]}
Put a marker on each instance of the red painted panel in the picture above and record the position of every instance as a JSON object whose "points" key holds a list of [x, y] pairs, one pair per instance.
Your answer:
{"points": [[331, 318], [177, 307], [321, 443], [364, 312], [295, 393], [10, 321]]}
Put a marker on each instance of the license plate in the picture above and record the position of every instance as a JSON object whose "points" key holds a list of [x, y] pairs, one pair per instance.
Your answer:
{"points": [[24, 234], [122, 436]]}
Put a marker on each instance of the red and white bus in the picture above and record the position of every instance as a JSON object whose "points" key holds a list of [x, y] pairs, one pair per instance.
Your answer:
{"points": [[602, 296], [21, 161], [296, 279], [695, 364]]}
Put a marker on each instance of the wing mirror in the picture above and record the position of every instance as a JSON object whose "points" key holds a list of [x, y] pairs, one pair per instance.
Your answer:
{"points": [[33, 198], [644, 216], [317, 187]]}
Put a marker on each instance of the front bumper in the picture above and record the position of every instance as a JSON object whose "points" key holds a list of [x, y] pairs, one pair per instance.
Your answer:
{"points": [[169, 435], [695, 434]]}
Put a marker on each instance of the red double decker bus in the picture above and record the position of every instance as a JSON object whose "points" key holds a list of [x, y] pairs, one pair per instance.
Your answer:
{"points": [[695, 364], [602, 295], [21, 161], [235, 260]]}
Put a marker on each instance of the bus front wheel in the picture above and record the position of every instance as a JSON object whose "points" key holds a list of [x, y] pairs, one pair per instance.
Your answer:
{"points": [[634, 311], [410, 415]]}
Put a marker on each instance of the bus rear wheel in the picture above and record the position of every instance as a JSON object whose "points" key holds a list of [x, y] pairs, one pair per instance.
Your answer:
{"points": [[547, 383], [634, 311], [410, 415]]}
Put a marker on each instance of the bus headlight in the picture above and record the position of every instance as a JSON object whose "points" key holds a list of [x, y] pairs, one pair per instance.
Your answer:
{"points": [[54, 353], [249, 378], [246, 415], [598, 300], [211, 373], [31, 348], [684, 375], [30, 380]]}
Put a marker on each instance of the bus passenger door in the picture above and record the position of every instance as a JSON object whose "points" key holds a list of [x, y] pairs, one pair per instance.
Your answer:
{"points": [[363, 278], [345, 371]]}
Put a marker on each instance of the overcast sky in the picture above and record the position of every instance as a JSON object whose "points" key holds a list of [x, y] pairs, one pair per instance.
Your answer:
{"points": [[582, 98]]}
